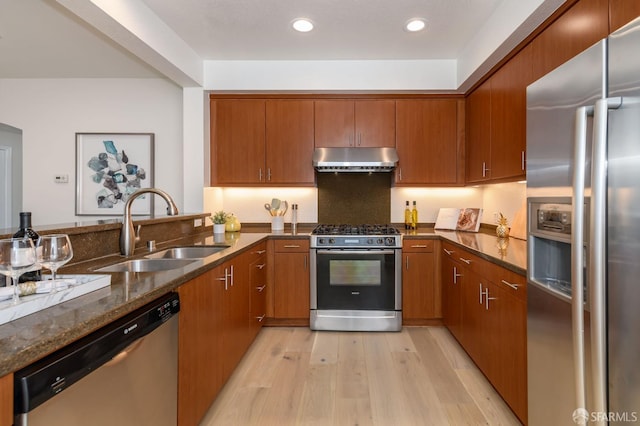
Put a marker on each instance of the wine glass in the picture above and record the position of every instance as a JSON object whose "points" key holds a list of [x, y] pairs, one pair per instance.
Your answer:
{"points": [[53, 251], [17, 255]]}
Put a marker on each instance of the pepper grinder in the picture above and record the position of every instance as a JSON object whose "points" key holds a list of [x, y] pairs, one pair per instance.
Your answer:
{"points": [[294, 219]]}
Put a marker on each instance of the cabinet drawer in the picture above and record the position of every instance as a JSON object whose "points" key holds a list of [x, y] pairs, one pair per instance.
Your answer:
{"points": [[414, 245], [256, 252], [293, 245], [515, 284], [467, 259]]}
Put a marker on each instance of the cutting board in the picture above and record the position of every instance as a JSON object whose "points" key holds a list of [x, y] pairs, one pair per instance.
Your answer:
{"points": [[519, 225]]}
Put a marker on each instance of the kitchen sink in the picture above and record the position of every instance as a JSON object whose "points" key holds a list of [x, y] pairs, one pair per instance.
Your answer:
{"points": [[188, 252], [147, 265]]}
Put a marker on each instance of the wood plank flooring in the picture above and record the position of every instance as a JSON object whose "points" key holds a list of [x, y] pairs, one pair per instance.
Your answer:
{"points": [[295, 376]]}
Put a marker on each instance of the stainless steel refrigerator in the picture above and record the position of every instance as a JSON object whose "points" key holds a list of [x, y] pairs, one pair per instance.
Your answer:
{"points": [[583, 192]]}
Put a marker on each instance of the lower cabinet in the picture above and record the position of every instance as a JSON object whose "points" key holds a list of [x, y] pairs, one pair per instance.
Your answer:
{"points": [[485, 308], [291, 280], [6, 400], [420, 292], [216, 328], [258, 288]]}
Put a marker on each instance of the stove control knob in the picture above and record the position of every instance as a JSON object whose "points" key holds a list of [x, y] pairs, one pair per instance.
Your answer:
{"points": [[332, 240], [320, 240], [380, 241], [390, 241], [370, 241]]}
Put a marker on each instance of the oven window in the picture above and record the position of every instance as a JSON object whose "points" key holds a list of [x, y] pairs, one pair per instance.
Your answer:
{"points": [[354, 272]]}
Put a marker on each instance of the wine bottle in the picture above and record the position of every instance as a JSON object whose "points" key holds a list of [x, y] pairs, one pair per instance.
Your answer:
{"points": [[26, 230], [414, 217], [407, 217]]}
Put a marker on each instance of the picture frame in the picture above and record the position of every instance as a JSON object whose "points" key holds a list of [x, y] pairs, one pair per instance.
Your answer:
{"points": [[111, 166]]}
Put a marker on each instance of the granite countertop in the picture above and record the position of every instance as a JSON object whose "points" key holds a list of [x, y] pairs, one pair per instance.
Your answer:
{"points": [[32, 337]]}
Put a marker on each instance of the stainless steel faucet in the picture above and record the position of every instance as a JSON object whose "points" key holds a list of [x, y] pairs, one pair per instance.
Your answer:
{"points": [[128, 236]]}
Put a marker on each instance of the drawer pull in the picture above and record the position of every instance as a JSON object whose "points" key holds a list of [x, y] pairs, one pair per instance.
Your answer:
{"points": [[262, 265], [513, 286], [261, 317], [419, 246], [261, 288], [449, 252], [291, 246], [456, 275], [467, 261], [260, 252]]}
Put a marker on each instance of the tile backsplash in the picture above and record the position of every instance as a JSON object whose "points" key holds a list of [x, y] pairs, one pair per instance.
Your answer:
{"points": [[354, 198]]}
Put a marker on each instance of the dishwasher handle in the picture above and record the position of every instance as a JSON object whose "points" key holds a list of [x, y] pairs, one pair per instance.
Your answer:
{"points": [[44, 379]]}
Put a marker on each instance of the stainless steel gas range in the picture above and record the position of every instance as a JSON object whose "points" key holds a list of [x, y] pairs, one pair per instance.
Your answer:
{"points": [[356, 280]]}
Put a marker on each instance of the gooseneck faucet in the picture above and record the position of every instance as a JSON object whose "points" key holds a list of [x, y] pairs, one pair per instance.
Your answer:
{"points": [[128, 236]]}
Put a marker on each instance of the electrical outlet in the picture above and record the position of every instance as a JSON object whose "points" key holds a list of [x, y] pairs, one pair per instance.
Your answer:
{"points": [[61, 178], [197, 223]]}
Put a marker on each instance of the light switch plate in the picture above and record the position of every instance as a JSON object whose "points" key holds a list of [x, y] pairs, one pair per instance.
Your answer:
{"points": [[61, 178], [197, 223]]}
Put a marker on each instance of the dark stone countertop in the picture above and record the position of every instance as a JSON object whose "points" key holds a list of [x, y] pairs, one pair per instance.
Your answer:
{"points": [[32, 337]]}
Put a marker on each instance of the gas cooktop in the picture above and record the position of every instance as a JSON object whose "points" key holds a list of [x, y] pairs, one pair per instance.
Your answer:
{"points": [[363, 229]]}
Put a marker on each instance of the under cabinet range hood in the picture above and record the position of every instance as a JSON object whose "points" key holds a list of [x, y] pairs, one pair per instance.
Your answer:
{"points": [[355, 159]]}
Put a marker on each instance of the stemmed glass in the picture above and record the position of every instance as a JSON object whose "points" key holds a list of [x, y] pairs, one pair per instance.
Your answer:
{"points": [[53, 251], [17, 255]]}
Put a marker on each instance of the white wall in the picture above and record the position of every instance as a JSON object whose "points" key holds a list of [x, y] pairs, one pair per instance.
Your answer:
{"points": [[11, 138], [51, 111]]}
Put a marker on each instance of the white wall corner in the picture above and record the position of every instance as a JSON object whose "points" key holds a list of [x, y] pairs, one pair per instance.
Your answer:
{"points": [[194, 114]]}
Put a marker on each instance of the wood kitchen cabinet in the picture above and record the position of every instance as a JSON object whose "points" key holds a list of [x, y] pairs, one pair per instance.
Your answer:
{"points": [[355, 123], [6, 400], [262, 142], [427, 140], [484, 307], [622, 12], [578, 28], [291, 279], [257, 288], [496, 123], [200, 345], [421, 296]]}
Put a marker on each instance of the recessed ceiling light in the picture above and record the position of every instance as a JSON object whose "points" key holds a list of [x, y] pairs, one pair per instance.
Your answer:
{"points": [[415, 24], [303, 25]]}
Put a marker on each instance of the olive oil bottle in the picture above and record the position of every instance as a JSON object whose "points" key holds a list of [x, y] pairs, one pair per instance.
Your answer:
{"points": [[407, 217], [414, 216]]}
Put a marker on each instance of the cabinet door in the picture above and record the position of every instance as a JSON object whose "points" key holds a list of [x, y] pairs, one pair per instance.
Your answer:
{"points": [[289, 142], [238, 141], [475, 324], [237, 334], [375, 123], [577, 29], [508, 116], [452, 279], [6, 399], [622, 12], [291, 273], [201, 325], [478, 130], [418, 286], [334, 123], [427, 141]]}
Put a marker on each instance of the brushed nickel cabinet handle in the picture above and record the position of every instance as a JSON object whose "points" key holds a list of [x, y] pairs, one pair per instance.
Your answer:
{"points": [[260, 252], [292, 246], [419, 246], [449, 252], [513, 286], [467, 261], [261, 317], [262, 265], [456, 275], [261, 288]]}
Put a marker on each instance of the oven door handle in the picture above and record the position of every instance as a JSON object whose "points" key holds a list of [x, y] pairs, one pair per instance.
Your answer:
{"points": [[349, 251]]}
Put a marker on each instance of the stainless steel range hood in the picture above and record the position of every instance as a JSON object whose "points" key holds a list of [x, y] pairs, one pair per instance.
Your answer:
{"points": [[355, 159]]}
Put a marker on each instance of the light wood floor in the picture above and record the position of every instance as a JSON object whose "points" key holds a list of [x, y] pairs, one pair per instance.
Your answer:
{"points": [[420, 376]]}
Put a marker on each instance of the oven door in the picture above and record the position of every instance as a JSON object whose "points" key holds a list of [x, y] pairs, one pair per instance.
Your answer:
{"points": [[350, 279]]}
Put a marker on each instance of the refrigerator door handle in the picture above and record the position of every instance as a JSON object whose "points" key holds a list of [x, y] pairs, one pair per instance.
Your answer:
{"points": [[597, 253], [577, 259]]}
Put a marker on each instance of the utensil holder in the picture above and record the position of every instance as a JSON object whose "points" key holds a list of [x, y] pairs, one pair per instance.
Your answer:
{"points": [[277, 223]]}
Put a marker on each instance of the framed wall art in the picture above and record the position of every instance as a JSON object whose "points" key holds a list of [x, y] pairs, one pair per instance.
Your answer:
{"points": [[109, 168]]}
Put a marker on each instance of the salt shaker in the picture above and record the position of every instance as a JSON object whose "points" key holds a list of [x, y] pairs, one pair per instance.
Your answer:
{"points": [[294, 218]]}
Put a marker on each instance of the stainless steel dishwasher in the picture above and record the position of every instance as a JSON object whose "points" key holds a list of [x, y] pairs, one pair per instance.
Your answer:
{"points": [[123, 374]]}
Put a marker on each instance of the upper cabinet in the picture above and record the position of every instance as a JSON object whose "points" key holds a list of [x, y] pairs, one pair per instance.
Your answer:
{"points": [[577, 29], [261, 142], [427, 141], [622, 12], [496, 123], [355, 123]]}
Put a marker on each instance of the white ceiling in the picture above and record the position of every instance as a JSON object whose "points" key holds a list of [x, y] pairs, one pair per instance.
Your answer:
{"points": [[43, 39]]}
